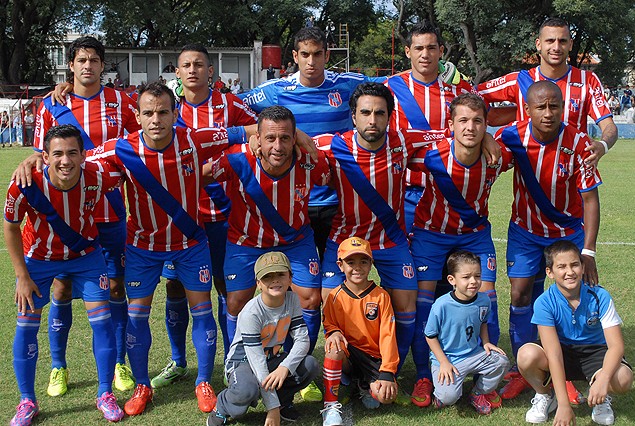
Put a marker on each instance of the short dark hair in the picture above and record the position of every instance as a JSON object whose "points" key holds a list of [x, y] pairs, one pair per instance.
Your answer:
{"points": [[157, 90], [309, 34], [554, 22], [470, 100], [276, 113], [86, 42], [424, 27], [461, 257], [543, 85], [372, 89], [194, 47], [64, 131], [560, 246]]}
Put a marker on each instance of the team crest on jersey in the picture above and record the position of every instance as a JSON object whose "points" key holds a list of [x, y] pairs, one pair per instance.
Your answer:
{"points": [[104, 284], [491, 263], [563, 171], [482, 313], [307, 166], [89, 204], [408, 271], [299, 193], [335, 99], [372, 311], [112, 121], [314, 267], [575, 104], [188, 168], [397, 169], [203, 274]]}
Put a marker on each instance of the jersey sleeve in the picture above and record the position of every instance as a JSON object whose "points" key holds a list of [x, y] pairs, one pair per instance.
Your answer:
{"points": [[129, 116], [387, 341], [239, 112], [433, 326], [499, 89], [322, 174], [221, 169], [213, 141], [105, 154], [588, 176], [15, 204], [507, 157], [261, 97], [417, 139], [599, 108], [608, 314], [43, 122], [543, 312], [299, 334]]}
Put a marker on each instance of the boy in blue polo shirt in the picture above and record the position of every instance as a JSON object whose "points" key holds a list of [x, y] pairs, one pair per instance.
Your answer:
{"points": [[580, 338]]}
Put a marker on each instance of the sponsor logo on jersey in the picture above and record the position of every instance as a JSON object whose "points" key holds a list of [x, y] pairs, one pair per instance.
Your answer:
{"points": [[203, 274], [371, 311], [491, 263], [186, 151], [575, 84], [566, 150], [104, 283], [307, 166], [314, 267], [256, 97], [495, 82], [112, 105], [482, 313], [575, 104], [408, 271], [335, 99], [91, 188]]}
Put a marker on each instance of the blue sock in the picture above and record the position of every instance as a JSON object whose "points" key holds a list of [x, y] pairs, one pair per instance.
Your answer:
{"points": [[25, 353], [222, 323], [405, 329], [538, 289], [519, 326], [313, 322], [60, 321], [231, 326], [204, 337], [493, 328], [177, 318], [138, 341], [119, 317], [420, 348], [104, 346]]}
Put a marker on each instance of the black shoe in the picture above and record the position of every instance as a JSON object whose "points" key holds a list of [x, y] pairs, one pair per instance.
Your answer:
{"points": [[289, 413], [215, 419]]}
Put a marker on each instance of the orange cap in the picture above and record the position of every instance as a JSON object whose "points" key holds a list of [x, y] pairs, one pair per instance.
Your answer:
{"points": [[354, 245]]}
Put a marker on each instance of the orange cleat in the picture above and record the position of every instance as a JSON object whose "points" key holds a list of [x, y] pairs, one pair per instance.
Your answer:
{"points": [[514, 388], [422, 393], [494, 399], [140, 398], [206, 397], [575, 396]]}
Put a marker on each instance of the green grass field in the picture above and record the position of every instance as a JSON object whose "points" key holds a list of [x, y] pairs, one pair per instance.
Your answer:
{"points": [[177, 405]]}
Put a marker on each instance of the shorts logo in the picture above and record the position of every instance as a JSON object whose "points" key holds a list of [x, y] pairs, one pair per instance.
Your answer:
{"points": [[482, 313], [510, 263], [422, 268], [314, 267], [335, 99], [371, 311], [104, 283], [491, 263], [230, 277], [408, 271], [328, 274], [204, 275], [133, 283]]}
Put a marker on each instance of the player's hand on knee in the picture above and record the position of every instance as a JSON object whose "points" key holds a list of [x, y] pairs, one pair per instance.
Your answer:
{"points": [[24, 289], [447, 371], [335, 342]]}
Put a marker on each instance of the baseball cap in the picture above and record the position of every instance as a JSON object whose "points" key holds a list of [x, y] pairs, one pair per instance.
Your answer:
{"points": [[354, 245], [274, 261]]}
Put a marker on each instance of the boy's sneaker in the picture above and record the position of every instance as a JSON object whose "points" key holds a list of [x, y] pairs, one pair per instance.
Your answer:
{"points": [[206, 397], [289, 413], [215, 419], [140, 398], [494, 399], [58, 382], [107, 404], [368, 399], [311, 393], [436, 403], [124, 380], [575, 396], [422, 393], [168, 375], [25, 412], [602, 414], [514, 387], [541, 406], [332, 414], [480, 403]]}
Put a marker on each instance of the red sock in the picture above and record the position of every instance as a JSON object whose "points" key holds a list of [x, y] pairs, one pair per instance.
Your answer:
{"points": [[332, 376]]}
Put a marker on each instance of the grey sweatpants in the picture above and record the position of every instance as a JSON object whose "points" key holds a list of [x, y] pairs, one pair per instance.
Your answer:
{"points": [[244, 389], [491, 369]]}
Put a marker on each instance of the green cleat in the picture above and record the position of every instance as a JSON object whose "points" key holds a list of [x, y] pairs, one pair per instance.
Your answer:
{"points": [[58, 382], [124, 380], [168, 375], [311, 393], [403, 399]]}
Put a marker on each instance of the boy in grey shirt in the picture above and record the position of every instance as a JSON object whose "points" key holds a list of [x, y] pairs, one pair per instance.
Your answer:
{"points": [[255, 366]]}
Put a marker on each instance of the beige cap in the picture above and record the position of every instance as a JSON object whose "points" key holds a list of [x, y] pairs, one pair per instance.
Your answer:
{"points": [[354, 245], [274, 261]]}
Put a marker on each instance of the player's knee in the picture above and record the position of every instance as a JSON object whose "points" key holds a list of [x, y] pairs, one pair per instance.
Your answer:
{"points": [[311, 368], [117, 288], [622, 380], [311, 299], [174, 289], [62, 290], [236, 301], [529, 355], [447, 395]]}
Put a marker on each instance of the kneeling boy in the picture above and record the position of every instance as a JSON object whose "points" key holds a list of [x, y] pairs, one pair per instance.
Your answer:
{"points": [[359, 324], [580, 339], [456, 322], [255, 365]]}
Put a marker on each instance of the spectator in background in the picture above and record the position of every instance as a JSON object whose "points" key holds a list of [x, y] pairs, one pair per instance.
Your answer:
{"points": [[237, 87], [169, 67], [113, 67], [110, 84], [219, 84], [16, 131], [614, 105], [625, 100], [5, 129], [629, 114], [271, 72], [118, 82], [29, 124], [291, 68]]}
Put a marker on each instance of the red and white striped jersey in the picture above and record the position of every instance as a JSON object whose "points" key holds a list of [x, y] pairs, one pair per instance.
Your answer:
{"points": [[557, 172], [268, 211], [582, 92], [103, 116], [385, 170], [432, 99], [74, 206], [218, 110], [451, 188], [178, 169]]}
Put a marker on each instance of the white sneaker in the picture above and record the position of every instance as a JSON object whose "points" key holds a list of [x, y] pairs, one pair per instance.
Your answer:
{"points": [[541, 406], [602, 414], [332, 414]]}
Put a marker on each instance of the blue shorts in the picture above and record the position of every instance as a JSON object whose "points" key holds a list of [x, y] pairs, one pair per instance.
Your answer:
{"points": [[430, 250], [87, 275], [412, 195], [394, 265], [112, 237], [525, 251], [217, 237], [303, 255], [143, 269]]}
